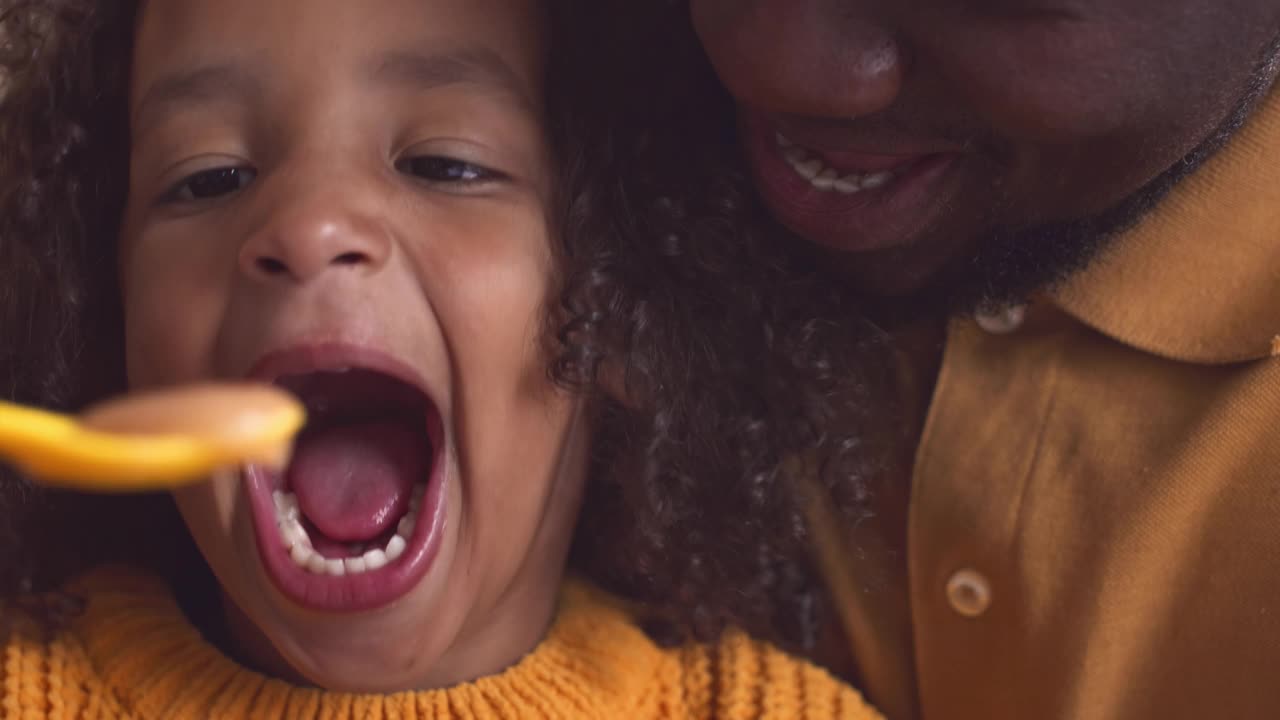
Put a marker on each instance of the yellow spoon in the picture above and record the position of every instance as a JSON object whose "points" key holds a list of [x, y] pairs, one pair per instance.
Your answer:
{"points": [[154, 440]]}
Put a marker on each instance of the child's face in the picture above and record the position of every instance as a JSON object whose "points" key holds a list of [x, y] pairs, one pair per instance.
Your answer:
{"points": [[350, 198]]}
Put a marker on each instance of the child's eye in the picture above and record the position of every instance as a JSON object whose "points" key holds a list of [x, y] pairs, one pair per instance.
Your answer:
{"points": [[209, 184], [436, 169]]}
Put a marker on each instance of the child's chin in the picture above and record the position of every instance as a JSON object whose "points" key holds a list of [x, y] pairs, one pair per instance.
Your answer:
{"points": [[398, 649], [366, 672], [373, 670], [388, 648]]}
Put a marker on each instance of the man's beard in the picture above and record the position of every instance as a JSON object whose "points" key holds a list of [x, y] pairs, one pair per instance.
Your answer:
{"points": [[1009, 266]]}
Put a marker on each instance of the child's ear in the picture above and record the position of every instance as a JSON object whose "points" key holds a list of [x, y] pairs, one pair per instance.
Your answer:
{"points": [[611, 378]]}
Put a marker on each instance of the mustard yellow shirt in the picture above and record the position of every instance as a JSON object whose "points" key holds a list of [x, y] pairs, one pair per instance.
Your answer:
{"points": [[133, 655], [1093, 528]]}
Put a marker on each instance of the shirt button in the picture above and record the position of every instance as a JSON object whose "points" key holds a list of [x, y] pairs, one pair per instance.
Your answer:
{"points": [[1002, 321], [969, 593]]}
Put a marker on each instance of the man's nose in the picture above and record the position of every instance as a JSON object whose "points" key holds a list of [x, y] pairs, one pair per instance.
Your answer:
{"points": [[309, 232], [811, 58]]}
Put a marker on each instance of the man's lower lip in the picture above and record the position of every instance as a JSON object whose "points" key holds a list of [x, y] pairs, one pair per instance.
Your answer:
{"points": [[348, 593], [861, 222]]}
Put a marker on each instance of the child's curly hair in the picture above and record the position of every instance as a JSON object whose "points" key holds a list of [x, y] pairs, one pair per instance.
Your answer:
{"points": [[677, 294]]}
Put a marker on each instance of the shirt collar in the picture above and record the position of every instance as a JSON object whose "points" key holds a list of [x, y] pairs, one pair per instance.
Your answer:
{"points": [[1198, 280]]}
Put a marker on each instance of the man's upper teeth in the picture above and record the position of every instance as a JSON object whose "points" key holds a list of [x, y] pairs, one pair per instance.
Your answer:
{"points": [[875, 180], [809, 169], [828, 179]]}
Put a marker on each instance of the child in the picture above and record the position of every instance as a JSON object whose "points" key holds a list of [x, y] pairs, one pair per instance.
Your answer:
{"points": [[356, 201]]}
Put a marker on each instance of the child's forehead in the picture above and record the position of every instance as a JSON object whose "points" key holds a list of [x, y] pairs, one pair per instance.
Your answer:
{"points": [[410, 70], [493, 42]]}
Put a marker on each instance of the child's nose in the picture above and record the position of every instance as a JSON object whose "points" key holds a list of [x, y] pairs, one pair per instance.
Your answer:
{"points": [[305, 239]]}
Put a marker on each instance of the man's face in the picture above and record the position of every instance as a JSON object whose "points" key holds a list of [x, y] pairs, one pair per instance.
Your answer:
{"points": [[905, 136]]}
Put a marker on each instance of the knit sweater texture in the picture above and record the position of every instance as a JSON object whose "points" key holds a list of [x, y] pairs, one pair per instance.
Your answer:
{"points": [[132, 654]]}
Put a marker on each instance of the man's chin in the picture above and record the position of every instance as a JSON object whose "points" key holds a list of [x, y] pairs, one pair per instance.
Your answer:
{"points": [[889, 275], [913, 283], [1000, 268]]}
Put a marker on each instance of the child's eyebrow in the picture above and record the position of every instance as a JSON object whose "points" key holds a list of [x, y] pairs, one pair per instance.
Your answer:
{"points": [[411, 69], [476, 66], [210, 82]]}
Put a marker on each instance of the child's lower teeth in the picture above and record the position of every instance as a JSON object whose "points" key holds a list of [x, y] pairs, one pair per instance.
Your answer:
{"points": [[364, 559]]}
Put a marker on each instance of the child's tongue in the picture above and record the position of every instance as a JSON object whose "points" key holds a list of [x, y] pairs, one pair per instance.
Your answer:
{"points": [[353, 481]]}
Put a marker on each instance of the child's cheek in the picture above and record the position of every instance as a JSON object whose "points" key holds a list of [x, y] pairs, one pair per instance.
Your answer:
{"points": [[172, 312], [208, 509]]}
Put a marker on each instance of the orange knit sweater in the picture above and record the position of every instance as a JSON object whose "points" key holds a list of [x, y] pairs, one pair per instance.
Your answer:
{"points": [[133, 655]]}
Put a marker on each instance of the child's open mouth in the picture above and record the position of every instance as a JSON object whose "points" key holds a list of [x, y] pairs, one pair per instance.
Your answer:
{"points": [[355, 520]]}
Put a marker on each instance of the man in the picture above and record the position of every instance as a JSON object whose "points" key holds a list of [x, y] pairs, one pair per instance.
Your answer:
{"points": [[1093, 187]]}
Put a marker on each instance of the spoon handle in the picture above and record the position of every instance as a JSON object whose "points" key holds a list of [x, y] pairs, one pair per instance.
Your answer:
{"points": [[151, 442]]}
